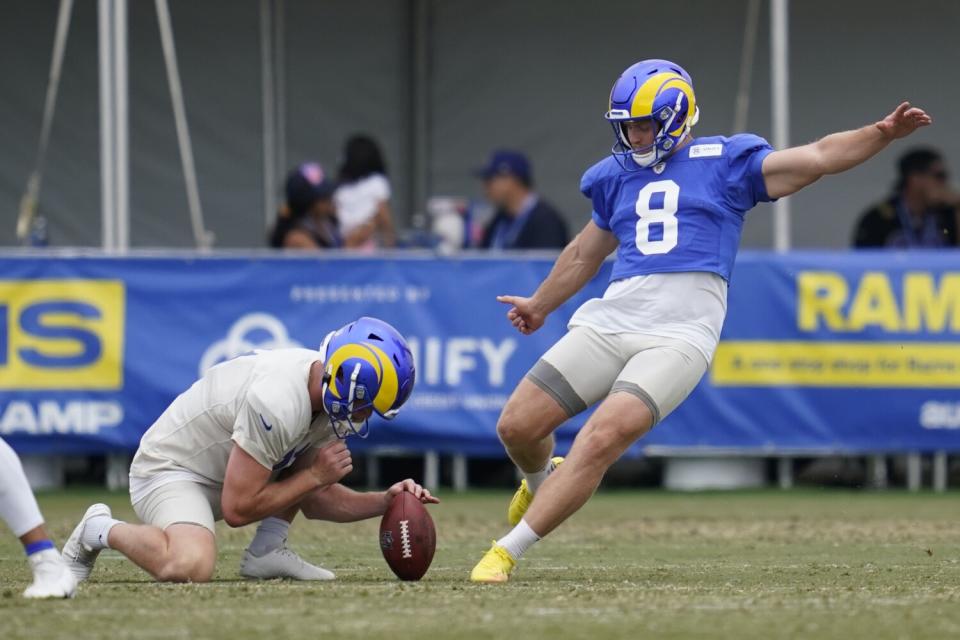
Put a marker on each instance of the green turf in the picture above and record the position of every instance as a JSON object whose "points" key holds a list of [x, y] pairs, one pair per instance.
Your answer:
{"points": [[811, 564]]}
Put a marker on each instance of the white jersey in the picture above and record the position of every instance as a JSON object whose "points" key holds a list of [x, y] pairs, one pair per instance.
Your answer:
{"points": [[688, 306], [258, 402], [358, 202]]}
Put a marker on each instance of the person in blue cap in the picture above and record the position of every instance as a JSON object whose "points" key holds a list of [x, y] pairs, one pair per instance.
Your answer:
{"points": [[308, 219], [523, 220]]}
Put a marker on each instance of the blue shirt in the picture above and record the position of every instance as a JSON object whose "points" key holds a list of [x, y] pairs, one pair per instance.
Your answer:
{"points": [[687, 217]]}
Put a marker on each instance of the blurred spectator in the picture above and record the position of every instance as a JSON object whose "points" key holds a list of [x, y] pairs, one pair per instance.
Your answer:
{"points": [[450, 223], [363, 196], [308, 218], [921, 212], [522, 220]]}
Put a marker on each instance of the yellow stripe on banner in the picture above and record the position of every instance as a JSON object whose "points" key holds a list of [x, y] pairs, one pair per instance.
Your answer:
{"points": [[837, 364], [62, 334]]}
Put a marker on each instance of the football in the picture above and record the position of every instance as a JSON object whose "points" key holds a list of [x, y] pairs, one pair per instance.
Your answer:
{"points": [[407, 537]]}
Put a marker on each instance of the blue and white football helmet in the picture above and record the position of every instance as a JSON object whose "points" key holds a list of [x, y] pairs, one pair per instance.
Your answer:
{"points": [[656, 90], [367, 364]]}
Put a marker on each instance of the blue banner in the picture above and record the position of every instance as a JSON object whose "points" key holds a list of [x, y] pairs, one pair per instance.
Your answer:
{"points": [[821, 352]]}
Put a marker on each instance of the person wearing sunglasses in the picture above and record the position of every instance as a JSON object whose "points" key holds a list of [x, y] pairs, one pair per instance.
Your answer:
{"points": [[921, 213]]}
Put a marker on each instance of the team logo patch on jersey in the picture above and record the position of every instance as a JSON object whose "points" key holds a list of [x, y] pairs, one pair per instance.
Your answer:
{"points": [[706, 150]]}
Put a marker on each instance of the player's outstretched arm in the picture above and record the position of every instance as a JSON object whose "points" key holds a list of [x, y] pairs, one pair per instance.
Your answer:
{"points": [[790, 170], [338, 503], [578, 262]]}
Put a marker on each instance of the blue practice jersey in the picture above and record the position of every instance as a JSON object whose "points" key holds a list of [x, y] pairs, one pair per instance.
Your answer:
{"points": [[689, 216]]}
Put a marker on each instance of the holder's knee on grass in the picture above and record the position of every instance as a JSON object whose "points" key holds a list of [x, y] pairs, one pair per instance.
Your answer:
{"points": [[186, 568]]}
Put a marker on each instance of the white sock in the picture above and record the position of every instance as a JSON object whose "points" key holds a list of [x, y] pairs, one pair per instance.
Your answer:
{"points": [[535, 479], [45, 556], [97, 531], [271, 534], [519, 540], [18, 507]]}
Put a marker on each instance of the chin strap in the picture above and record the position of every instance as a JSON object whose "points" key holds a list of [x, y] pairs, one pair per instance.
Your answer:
{"points": [[345, 427]]}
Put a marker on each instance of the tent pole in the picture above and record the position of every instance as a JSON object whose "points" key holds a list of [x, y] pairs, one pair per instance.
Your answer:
{"points": [[780, 84]]}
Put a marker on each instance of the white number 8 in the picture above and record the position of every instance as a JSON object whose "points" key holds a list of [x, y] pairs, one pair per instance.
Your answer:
{"points": [[664, 216]]}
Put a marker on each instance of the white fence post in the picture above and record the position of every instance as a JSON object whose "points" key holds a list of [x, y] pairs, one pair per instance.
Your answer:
{"points": [[461, 482], [373, 471], [914, 480], [431, 470], [118, 471], [785, 472], [940, 471], [878, 472]]}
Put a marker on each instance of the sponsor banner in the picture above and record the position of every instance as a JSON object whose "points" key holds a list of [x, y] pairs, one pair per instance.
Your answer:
{"points": [[821, 352], [837, 364], [61, 334]]}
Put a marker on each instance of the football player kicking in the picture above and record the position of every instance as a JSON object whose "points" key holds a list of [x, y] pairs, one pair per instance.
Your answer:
{"points": [[673, 207], [256, 439], [18, 508]]}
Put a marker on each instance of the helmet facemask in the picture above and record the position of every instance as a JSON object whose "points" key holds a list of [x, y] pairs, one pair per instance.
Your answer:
{"points": [[342, 412], [664, 143], [624, 150]]}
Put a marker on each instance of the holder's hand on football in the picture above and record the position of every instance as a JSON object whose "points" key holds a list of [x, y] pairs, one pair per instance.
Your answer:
{"points": [[412, 487], [524, 314], [903, 121], [331, 463]]}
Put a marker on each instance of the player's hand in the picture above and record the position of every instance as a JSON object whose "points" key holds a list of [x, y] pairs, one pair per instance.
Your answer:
{"points": [[524, 315], [411, 487], [331, 463], [903, 121]]}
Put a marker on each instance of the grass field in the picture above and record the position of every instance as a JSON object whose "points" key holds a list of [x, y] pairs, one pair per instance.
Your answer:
{"points": [[799, 564]]}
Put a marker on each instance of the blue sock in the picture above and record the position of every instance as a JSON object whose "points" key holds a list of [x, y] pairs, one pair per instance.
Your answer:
{"points": [[37, 547]]}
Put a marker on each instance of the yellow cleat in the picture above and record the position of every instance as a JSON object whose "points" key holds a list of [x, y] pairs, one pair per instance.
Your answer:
{"points": [[523, 497], [494, 567]]}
